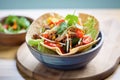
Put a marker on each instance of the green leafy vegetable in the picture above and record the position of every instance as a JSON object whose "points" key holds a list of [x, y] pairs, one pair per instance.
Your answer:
{"points": [[33, 42], [62, 28], [23, 22], [74, 41], [72, 19], [41, 48], [89, 27], [15, 24], [10, 30], [1, 28], [10, 19]]}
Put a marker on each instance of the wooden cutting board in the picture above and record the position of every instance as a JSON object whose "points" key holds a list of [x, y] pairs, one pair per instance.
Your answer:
{"points": [[103, 65]]}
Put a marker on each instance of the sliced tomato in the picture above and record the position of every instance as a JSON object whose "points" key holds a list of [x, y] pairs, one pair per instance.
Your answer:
{"points": [[5, 26], [87, 39], [79, 33], [50, 44], [54, 45], [60, 21], [45, 35]]}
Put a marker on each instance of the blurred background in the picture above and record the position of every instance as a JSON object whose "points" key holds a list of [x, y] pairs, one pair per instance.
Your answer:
{"points": [[41, 4], [106, 11]]}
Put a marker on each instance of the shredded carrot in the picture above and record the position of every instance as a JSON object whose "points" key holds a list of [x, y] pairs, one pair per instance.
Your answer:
{"points": [[14, 25]]}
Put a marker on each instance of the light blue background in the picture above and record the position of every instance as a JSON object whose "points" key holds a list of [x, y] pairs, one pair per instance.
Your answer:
{"points": [[48, 4]]}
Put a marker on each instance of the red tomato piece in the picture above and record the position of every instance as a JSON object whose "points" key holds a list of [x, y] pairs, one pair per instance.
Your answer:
{"points": [[5, 26], [53, 45], [45, 35], [79, 33], [50, 44], [87, 39], [60, 21]]}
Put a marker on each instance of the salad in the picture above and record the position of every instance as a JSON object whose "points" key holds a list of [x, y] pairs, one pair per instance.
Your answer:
{"points": [[14, 24], [63, 35]]}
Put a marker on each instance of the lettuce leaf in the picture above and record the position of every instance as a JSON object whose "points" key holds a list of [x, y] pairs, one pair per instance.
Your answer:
{"points": [[33, 42], [23, 22], [10, 19], [36, 43], [89, 27], [1, 28]]}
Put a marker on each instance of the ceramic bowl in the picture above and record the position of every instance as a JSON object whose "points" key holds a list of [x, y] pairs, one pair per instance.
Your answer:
{"points": [[68, 62], [13, 39]]}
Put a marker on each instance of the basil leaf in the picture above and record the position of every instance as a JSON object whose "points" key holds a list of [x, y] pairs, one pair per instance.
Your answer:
{"points": [[72, 19]]}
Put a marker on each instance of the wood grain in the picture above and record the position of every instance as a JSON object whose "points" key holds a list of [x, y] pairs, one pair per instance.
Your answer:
{"points": [[8, 52], [103, 65]]}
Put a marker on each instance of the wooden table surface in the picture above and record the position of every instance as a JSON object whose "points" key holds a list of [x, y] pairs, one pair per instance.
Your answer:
{"points": [[8, 69]]}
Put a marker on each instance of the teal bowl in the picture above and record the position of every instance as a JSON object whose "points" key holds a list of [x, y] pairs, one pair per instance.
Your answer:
{"points": [[68, 62]]}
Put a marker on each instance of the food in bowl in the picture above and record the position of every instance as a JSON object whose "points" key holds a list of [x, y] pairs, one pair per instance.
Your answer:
{"points": [[14, 24], [55, 34], [50, 53], [75, 61], [13, 29]]}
